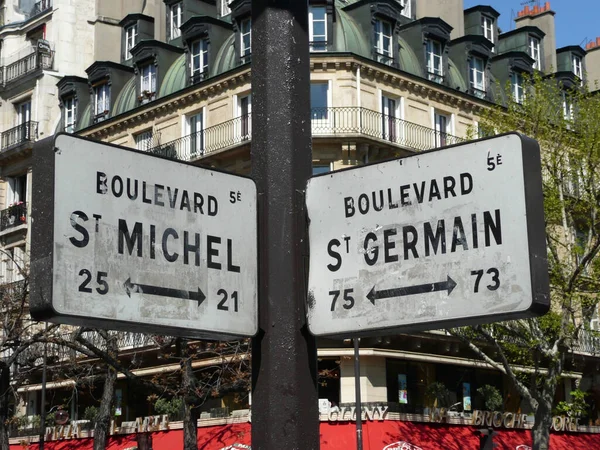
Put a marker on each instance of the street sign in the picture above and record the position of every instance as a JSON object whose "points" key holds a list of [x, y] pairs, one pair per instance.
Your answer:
{"points": [[444, 238], [126, 240]]}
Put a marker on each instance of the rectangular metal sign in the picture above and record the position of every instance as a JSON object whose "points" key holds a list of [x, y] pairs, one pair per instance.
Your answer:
{"points": [[445, 238], [126, 240]]}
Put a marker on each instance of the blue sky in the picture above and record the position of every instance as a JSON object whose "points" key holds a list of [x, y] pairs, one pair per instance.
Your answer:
{"points": [[576, 21]]}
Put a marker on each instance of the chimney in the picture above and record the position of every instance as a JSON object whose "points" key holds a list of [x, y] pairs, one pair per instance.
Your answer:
{"points": [[543, 18]]}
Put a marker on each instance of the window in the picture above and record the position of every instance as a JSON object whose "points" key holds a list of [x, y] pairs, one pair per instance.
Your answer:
{"points": [[405, 8], [101, 102], [199, 60], [317, 28], [23, 120], [319, 169], [487, 26], [534, 52], [435, 69], [383, 42], [595, 320], [244, 114], [516, 84], [442, 129], [224, 7], [147, 82], [319, 103], [567, 107], [143, 141], [577, 67], [174, 21], [70, 111], [245, 38], [195, 127], [389, 120], [131, 34], [477, 76]]}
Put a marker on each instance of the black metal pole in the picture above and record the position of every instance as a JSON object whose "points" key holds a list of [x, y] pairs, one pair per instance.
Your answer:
{"points": [[284, 357], [43, 401], [359, 440]]}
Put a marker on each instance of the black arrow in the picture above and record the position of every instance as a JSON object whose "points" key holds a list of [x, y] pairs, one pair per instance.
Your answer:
{"points": [[163, 291], [448, 285]]}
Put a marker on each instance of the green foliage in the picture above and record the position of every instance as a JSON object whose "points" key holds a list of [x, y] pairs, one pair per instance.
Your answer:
{"points": [[576, 408], [437, 391], [491, 396], [90, 413], [173, 408]]}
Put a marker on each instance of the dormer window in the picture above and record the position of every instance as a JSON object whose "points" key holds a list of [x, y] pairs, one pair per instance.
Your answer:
{"points": [[224, 8], [199, 60], [534, 52], [147, 82], [435, 68], [477, 76], [577, 67], [101, 102], [245, 38], [383, 42], [70, 114], [516, 87], [317, 28], [405, 8], [174, 20], [131, 35], [487, 26]]}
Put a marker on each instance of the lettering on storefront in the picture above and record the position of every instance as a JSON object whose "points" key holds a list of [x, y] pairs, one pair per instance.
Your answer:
{"points": [[345, 414], [401, 445]]}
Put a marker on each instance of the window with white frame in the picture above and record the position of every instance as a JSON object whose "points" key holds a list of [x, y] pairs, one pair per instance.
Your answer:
{"points": [[174, 20], [435, 68], [389, 125], [534, 52], [131, 34], [70, 112], [143, 141], [516, 86], [567, 107], [577, 67], [319, 106], [406, 12], [147, 82], [383, 41], [477, 76], [317, 28], [442, 124], [245, 114], [199, 60], [245, 37], [23, 119], [101, 101], [195, 129], [487, 25], [224, 8], [595, 320]]}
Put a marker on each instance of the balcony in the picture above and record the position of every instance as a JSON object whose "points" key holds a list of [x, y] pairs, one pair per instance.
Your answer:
{"points": [[40, 7], [588, 342], [344, 122], [13, 216], [33, 62], [26, 132]]}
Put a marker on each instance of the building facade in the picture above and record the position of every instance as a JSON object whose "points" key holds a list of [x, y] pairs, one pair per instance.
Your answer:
{"points": [[172, 77]]}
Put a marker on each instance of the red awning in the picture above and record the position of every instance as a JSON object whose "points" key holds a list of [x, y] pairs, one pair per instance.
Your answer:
{"points": [[386, 435]]}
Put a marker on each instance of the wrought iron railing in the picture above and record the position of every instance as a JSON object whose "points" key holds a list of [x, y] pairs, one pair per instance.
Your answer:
{"points": [[30, 63], [197, 77], [587, 342], [351, 120], [25, 132], [13, 216], [318, 46]]}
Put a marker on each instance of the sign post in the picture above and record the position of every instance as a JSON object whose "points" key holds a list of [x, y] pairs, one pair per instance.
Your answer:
{"points": [[141, 243], [441, 239]]}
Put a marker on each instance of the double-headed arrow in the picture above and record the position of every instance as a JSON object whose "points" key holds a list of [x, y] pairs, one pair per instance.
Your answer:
{"points": [[197, 296], [448, 285]]}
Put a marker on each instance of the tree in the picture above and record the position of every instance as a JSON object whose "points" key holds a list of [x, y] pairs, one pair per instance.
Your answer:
{"points": [[566, 123]]}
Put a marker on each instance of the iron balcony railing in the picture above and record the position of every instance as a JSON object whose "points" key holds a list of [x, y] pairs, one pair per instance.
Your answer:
{"points": [[30, 63], [587, 342], [342, 121], [40, 7], [13, 216], [27, 131]]}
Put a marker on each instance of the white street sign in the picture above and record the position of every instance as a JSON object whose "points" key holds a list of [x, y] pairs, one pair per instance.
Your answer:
{"points": [[126, 240], [444, 238]]}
